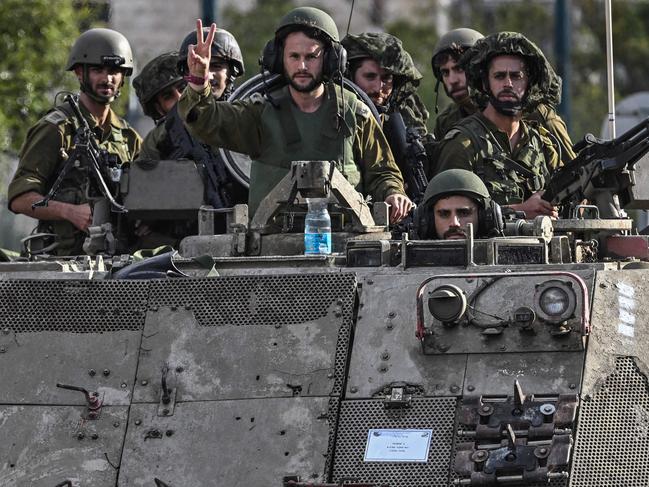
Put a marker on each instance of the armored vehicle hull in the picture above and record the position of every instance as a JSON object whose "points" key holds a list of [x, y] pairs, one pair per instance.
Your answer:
{"points": [[326, 370]]}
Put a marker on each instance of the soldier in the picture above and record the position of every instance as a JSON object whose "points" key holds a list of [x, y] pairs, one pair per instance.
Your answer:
{"points": [[453, 199], [508, 75], [310, 119], [446, 68], [383, 69], [158, 88], [101, 59]]}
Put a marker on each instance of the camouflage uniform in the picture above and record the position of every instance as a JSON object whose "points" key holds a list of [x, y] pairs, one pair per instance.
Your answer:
{"points": [[389, 53], [544, 115], [47, 142], [41, 160], [511, 174]]}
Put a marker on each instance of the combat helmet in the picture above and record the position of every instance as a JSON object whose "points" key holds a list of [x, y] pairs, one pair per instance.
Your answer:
{"points": [[310, 18], [387, 50], [318, 25], [224, 46], [451, 182], [456, 41], [544, 84], [100, 47], [158, 74]]}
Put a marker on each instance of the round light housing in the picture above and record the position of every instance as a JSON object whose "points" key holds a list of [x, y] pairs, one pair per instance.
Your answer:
{"points": [[447, 303], [555, 301]]}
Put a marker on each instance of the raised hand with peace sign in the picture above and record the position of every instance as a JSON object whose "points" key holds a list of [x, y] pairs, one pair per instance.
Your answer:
{"points": [[198, 57]]}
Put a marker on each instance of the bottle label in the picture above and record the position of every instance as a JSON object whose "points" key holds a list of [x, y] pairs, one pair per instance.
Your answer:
{"points": [[317, 243]]}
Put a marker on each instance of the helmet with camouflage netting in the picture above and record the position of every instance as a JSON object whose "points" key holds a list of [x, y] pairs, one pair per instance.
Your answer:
{"points": [[158, 74], [544, 84], [386, 49]]}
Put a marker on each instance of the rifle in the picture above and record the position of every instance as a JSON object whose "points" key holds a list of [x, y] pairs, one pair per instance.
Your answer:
{"points": [[602, 170], [88, 156], [217, 192], [409, 153]]}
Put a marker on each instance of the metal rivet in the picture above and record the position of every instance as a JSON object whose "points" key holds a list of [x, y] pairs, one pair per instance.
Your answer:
{"points": [[389, 326], [138, 422], [94, 436], [573, 386], [169, 432], [391, 314], [3, 349], [116, 424], [385, 356], [455, 389], [470, 388], [330, 375], [92, 372], [80, 435], [106, 372], [353, 389], [144, 382]]}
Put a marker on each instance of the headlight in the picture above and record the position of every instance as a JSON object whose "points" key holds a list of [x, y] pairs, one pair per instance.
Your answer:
{"points": [[447, 303], [555, 301]]}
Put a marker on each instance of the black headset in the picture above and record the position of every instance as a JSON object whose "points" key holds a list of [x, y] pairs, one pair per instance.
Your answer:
{"points": [[335, 55], [490, 221]]}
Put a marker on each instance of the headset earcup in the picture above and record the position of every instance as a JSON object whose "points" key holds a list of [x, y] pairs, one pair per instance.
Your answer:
{"points": [[271, 58], [335, 60]]}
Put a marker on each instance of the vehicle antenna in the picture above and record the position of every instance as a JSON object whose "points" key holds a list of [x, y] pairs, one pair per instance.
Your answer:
{"points": [[609, 70]]}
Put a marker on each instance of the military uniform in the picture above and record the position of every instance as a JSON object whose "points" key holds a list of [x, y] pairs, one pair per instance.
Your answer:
{"points": [[274, 137], [151, 145], [511, 175], [543, 115], [41, 160]]}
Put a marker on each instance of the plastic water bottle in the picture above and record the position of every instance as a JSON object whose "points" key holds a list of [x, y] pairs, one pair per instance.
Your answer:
{"points": [[317, 227]]}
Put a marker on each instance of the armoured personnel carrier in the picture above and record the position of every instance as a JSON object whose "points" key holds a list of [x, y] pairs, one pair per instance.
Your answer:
{"points": [[507, 361]]}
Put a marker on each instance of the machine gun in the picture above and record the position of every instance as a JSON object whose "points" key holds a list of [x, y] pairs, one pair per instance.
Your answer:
{"points": [[602, 170], [409, 153], [88, 156], [217, 190]]}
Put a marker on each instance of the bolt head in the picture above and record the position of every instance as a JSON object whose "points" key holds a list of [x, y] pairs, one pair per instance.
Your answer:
{"points": [[144, 382], [138, 422], [80, 435], [94, 436], [106, 372], [116, 424], [470, 388], [353, 389], [180, 369]]}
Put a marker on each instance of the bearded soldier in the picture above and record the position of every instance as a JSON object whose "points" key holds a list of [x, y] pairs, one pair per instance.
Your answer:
{"points": [[304, 122], [384, 70], [101, 60], [509, 76], [448, 70]]}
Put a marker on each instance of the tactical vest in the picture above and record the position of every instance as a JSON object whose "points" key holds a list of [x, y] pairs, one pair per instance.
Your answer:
{"points": [[509, 181], [73, 188], [285, 140]]}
